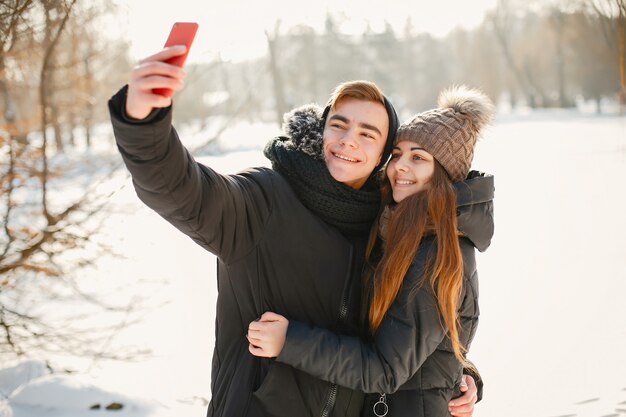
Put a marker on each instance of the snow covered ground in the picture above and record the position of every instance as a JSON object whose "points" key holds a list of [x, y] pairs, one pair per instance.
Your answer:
{"points": [[552, 336], [553, 326]]}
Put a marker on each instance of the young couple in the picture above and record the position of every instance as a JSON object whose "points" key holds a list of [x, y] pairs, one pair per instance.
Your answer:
{"points": [[378, 283]]}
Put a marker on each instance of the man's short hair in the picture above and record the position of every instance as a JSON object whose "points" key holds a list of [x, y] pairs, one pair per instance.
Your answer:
{"points": [[358, 89]]}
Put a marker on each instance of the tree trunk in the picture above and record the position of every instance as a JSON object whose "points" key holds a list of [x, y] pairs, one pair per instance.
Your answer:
{"points": [[621, 41], [559, 24], [43, 100], [279, 94], [56, 125], [88, 114], [71, 127], [501, 37], [226, 86], [9, 107], [310, 55], [614, 30]]}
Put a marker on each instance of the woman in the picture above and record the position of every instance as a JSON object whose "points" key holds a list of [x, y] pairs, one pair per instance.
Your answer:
{"points": [[421, 289]]}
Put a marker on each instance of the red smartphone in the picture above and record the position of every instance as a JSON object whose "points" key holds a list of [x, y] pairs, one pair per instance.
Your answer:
{"points": [[182, 33]]}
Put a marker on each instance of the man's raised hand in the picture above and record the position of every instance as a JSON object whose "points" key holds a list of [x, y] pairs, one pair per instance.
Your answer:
{"points": [[150, 73]]}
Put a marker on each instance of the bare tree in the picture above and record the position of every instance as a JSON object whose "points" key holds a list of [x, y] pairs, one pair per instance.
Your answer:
{"points": [[41, 225], [612, 16], [558, 20], [621, 40], [279, 93], [11, 25], [504, 20]]}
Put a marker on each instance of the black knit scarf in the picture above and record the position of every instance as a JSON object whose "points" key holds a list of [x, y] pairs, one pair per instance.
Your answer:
{"points": [[351, 211]]}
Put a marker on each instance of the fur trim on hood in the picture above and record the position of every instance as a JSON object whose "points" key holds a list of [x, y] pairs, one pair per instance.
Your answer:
{"points": [[304, 126]]}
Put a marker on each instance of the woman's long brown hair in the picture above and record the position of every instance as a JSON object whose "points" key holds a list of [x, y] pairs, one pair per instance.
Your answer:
{"points": [[432, 211]]}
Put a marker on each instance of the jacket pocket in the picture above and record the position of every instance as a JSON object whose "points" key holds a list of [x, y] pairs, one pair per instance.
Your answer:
{"points": [[279, 394]]}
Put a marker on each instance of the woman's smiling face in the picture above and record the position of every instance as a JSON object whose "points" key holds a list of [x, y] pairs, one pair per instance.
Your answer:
{"points": [[409, 169]]}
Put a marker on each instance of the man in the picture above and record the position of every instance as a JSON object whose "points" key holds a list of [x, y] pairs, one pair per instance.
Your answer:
{"points": [[289, 240]]}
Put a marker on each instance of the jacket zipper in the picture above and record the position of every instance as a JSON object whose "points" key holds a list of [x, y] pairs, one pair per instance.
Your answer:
{"points": [[343, 312], [330, 403]]}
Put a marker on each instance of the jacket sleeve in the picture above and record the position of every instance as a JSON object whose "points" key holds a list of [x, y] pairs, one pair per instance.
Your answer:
{"points": [[478, 379], [225, 214], [409, 333]]}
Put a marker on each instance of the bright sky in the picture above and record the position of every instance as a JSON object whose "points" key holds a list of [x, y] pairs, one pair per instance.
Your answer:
{"points": [[235, 28]]}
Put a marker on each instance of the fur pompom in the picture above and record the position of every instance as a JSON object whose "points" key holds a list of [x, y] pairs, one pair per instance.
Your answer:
{"points": [[305, 127], [471, 102]]}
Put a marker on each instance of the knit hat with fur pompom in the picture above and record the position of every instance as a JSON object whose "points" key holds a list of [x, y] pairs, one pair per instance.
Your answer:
{"points": [[450, 132]]}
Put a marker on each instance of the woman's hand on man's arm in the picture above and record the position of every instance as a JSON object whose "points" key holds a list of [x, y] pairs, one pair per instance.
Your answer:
{"points": [[266, 336]]}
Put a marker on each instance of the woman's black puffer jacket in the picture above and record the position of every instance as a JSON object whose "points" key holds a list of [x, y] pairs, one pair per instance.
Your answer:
{"points": [[411, 355]]}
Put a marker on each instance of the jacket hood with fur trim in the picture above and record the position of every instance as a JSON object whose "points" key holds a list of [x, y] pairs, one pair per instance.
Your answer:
{"points": [[304, 128]]}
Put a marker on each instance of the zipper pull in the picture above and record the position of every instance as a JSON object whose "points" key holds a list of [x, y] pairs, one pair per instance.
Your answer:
{"points": [[381, 408]]}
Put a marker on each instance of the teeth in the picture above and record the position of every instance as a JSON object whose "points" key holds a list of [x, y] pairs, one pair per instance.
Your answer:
{"points": [[402, 182], [345, 158]]}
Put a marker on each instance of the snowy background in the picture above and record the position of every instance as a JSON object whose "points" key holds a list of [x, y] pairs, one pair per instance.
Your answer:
{"points": [[552, 337]]}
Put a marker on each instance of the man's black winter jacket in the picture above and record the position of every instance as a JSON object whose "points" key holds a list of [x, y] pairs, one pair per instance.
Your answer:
{"points": [[273, 255]]}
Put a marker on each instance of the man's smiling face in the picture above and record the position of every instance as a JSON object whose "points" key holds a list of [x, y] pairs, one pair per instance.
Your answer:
{"points": [[354, 138]]}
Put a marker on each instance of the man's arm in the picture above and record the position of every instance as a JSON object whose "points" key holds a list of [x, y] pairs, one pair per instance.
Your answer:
{"points": [[210, 208]]}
